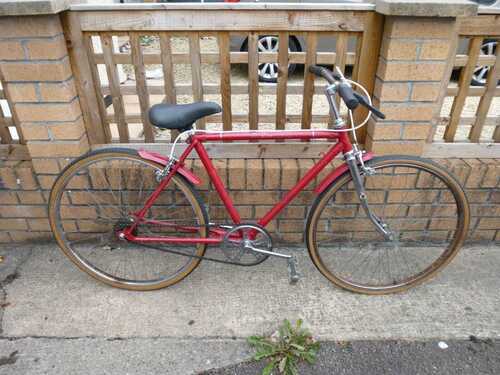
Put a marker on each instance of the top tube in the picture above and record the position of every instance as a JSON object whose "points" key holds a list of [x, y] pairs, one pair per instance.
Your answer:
{"points": [[264, 135]]}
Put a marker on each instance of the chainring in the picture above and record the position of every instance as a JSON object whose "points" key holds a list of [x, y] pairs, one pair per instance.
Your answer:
{"points": [[237, 240]]}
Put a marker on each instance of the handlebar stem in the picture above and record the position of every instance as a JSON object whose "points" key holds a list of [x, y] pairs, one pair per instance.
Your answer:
{"points": [[330, 92]]}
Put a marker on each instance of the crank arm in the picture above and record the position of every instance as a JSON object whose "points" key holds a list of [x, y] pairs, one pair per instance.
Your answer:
{"points": [[279, 255], [293, 273]]}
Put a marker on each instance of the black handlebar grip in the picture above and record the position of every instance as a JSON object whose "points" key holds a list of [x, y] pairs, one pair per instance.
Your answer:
{"points": [[316, 70], [347, 94], [374, 110], [327, 74]]}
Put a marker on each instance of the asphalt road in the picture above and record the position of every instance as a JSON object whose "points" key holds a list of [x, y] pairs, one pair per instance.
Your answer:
{"points": [[468, 357]]}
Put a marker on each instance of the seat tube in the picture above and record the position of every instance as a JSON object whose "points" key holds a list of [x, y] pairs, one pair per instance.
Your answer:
{"points": [[218, 184]]}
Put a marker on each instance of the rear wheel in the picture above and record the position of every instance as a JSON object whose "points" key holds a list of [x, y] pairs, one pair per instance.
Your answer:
{"points": [[425, 209], [95, 197]]}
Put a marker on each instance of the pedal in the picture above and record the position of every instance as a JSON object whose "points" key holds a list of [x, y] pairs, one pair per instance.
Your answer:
{"points": [[293, 274]]}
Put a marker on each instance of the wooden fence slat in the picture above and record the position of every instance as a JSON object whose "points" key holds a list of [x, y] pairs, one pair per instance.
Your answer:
{"points": [[307, 100], [461, 60], [479, 25], [13, 120], [357, 56], [368, 62], [463, 84], [253, 81], [486, 99], [282, 81], [240, 117], [237, 150], [324, 58], [214, 89], [223, 20], [445, 81], [473, 91], [168, 68], [83, 76], [114, 86], [194, 52], [225, 79], [5, 136], [340, 58], [142, 88], [89, 46], [441, 150], [168, 73], [496, 134]]}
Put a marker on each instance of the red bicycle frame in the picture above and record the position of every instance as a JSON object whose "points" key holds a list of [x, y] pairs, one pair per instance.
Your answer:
{"points": [[196, 141]]}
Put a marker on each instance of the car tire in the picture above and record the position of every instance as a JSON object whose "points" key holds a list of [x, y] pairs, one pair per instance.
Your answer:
{"points": [[268, 72], [480, 73]]}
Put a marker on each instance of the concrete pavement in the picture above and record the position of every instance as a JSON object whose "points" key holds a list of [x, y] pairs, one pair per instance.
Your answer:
{"points": [[55, 315]]}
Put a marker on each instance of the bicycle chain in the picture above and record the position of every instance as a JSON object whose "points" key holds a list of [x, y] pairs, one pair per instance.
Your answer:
{"points": [[191, 255]]}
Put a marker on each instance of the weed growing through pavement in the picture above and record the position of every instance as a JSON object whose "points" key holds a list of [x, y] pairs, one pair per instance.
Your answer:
{"points": [[285, 348]]}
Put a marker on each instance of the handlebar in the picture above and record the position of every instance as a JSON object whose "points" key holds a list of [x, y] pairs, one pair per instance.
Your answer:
{"points": [[363, 102], [351, 99], [327, 74]]}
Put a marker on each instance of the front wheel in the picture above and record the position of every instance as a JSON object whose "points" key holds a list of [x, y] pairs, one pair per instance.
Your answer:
{"points": [[95, 198], [422, 205]]}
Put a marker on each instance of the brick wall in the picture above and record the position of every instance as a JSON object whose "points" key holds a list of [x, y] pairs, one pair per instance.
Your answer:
{"points": [[412, 65], [255, 185], [38, 77]]}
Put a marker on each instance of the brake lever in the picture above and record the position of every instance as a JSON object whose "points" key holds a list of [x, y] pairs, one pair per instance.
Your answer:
{"points": [[363, 102]]}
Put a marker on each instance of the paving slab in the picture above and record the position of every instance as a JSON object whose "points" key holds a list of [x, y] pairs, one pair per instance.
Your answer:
{"points": [[144, 356], [51, 298]]}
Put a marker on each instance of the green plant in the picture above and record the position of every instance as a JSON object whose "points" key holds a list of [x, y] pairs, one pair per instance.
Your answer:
{"points": [[285, 348]]}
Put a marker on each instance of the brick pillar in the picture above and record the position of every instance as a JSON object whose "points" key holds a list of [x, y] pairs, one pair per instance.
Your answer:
{"points": [[413, 66], [35, 66]]}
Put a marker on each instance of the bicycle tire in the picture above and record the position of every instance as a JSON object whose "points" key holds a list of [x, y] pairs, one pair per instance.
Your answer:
{"points": [[56, 209], [456, 235]]}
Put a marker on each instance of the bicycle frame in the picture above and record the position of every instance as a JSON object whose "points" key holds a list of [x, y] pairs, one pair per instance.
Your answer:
{"points": [[216, 235]]}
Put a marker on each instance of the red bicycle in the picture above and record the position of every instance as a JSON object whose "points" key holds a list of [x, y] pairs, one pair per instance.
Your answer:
{"points": [[134, 219]]}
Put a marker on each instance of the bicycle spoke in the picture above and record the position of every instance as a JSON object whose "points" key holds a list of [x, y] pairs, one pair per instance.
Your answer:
{"points": [[116, 187], [410, 201]]}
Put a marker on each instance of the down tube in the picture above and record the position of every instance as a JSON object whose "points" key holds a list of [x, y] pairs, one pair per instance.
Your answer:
{"points": [[310, 175]]}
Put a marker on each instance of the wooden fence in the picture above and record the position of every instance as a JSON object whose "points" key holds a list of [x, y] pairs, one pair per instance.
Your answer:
{"points": [[123, 105], [115, 91], [11, 136], [472, 122]]}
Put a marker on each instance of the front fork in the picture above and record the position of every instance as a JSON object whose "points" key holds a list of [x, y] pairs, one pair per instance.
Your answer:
{"points": [[353, 158]]}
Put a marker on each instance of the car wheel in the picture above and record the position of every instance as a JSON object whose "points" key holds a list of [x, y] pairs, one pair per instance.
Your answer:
{"points": [[480, 74], [268, 72]]}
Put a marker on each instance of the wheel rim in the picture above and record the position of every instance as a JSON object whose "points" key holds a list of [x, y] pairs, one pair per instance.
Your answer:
{"points": [[268, 43], [97, 200], [480, 73], [365, 261]]}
